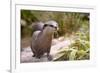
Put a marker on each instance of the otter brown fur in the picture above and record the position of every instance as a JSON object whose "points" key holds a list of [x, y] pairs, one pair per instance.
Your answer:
{"points": [[41, 41]]}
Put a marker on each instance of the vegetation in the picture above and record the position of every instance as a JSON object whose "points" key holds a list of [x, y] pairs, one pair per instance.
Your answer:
{"points": [[70, 23], [78, 50]]}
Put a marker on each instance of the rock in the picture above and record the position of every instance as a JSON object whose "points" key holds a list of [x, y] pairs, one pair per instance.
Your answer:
{"points": [[26, 54]]}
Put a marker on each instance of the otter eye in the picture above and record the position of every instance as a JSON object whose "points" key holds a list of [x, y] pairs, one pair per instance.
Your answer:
{"points": [[45, 26]]}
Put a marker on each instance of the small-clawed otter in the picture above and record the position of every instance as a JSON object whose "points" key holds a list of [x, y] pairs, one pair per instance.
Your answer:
{"points": [[41, 40]]}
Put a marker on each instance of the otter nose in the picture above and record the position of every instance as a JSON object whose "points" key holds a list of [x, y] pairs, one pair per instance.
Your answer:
{"points": [[56, 28]]}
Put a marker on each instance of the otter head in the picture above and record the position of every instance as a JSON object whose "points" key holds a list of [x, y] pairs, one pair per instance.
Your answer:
{"points": [[50, 26]]}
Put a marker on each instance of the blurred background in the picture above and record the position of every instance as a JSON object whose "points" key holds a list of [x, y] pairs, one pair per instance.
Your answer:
{"points": [[72, 25]]}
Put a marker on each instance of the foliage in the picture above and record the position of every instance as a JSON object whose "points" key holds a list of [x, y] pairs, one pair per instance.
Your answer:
{"points": [[78, 50], [68, 21], [28, 16]]}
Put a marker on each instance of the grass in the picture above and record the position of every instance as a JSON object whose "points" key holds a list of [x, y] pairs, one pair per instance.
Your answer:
{"points": [[78, 50]]}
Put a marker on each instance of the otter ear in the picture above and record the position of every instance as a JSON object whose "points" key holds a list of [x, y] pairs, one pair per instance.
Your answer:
{"points": [[45, 25]]}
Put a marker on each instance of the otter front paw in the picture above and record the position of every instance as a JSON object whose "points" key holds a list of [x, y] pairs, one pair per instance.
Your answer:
{"points": [[49, 57]]}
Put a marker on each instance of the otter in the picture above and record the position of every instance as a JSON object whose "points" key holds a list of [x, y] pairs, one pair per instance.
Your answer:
{"points": [[42, 39]]}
